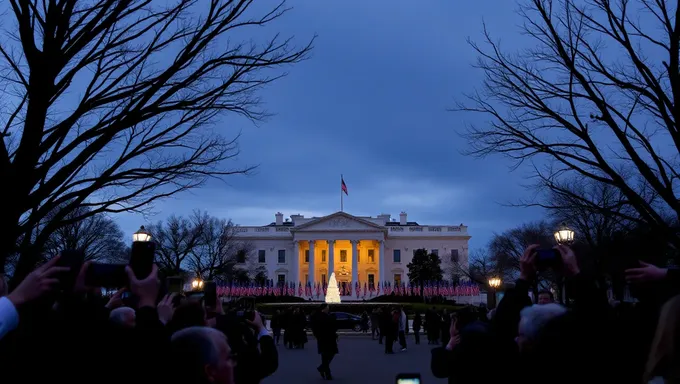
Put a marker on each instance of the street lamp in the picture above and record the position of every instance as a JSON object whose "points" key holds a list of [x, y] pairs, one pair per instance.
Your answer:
{"points": [[141, 236], [494, 284], [197, 284], [564, 234]]}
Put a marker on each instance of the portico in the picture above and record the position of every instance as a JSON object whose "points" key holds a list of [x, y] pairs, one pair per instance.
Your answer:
{"points": [[349, 246]]}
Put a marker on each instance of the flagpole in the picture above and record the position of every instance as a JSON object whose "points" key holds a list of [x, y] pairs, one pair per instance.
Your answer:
{"points": [[341, 197]]}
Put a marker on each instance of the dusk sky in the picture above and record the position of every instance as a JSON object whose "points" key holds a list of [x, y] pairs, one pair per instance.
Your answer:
{"points": [[370, 103]]}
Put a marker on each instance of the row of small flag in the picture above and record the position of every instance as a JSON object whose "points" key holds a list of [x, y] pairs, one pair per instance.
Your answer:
{"points": [[361, 291]]}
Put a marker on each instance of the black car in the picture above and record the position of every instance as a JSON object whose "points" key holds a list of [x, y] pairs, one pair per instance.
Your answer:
{"points": [[345, 320]]}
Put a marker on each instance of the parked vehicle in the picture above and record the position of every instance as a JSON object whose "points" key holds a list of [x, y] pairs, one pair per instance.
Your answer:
{"points": [[344, 320]]}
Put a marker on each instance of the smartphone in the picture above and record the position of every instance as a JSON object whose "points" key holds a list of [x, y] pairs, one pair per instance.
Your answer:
{"points": [[141, 258], [547, 258], [174, 284], [210, 293], [73, 259], [408, 378], [106, 275]]}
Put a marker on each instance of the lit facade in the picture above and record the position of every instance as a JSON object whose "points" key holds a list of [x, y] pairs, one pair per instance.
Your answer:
{"points": [[368, 250]]}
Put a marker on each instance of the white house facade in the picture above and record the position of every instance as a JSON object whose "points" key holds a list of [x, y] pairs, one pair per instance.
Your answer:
{"points": [[358, 249]]}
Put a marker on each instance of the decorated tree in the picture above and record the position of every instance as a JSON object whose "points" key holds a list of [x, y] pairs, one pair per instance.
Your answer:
{"points": [[333, 293]]}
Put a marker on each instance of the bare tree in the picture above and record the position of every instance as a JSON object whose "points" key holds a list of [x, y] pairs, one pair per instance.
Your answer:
{"points": [[97, 236], [594, 95], [594, 210], [481, 266], [506, 249], [176, 240], [112, 103], [216, 249]]}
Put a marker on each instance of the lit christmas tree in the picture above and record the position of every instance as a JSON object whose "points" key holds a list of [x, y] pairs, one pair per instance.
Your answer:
{"points": [[333, 294]]}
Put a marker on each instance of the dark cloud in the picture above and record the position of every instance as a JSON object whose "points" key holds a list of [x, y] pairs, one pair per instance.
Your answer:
{"points": [[370, 104]]}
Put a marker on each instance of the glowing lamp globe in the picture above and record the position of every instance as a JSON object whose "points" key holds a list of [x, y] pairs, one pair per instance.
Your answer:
{"points": [[494, 282], [564, 235], [141, 236]]}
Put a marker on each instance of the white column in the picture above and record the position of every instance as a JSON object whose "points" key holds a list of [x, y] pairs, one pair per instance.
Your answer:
{"points": [[355, 264], [312, 267], [381, 263], [296, 264], [331, 258]]}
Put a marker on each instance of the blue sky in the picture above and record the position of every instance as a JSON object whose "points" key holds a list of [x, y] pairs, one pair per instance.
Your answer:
{"points": [[371, 104]]}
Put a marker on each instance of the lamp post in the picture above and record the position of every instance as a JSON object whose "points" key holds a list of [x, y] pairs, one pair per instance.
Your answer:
{"points": [[197, 284], [141, 236], [142, 253], [564, 234], [494, 284]]}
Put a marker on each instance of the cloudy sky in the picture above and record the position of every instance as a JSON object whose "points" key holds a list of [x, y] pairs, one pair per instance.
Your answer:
{"points": [[371, 104]]}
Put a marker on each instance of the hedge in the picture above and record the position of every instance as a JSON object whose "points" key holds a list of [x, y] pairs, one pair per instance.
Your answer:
{"points": [[356, 308]]}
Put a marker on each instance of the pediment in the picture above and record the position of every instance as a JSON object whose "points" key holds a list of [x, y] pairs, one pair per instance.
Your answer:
{"points": [[338, 221]]}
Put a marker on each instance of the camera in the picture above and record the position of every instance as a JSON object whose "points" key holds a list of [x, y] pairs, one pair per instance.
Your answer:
{"points": [[547, 258], [114, 275]]}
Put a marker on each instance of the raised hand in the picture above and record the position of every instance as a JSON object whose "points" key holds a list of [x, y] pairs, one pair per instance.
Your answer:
{"points": [[39, 282], [80, 286], [645, 273], [116, 301], [527, 263], [569, 262], [146, 289], [257, 322], [455, 337], [165, 308]]}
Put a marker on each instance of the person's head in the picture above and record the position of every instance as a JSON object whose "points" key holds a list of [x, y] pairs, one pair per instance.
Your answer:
{"points": [[202, 355], [123, 317], [324, 308], [189, 314], [533, 319], [545, 297], [664, 356], [278, 311]]}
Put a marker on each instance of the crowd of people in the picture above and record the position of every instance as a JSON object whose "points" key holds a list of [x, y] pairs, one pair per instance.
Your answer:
{"points": [[595, 340], [51, 331]]}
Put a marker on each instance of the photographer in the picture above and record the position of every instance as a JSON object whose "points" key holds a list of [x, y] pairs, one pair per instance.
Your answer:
{"points": [[250, 341]]}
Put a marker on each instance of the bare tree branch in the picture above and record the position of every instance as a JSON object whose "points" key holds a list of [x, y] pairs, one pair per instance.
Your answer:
{"points": [[114, 104], [593, 114]]}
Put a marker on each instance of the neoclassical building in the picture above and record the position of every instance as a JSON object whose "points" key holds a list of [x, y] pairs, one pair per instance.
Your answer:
{"points": [[364, 249]]}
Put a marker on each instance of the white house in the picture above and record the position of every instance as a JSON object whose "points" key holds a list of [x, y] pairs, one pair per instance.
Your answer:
{"points": [[364, 249]]}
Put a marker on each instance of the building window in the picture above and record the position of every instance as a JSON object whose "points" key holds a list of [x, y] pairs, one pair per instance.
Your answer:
{"points": [[261, 256], [434, 252], [343, 256], [358, 256], [241, 256], [281, 279], [396, 256], [371, 255], [397, 279], [323, 255], [306, 278], [323, 278], [454, 255], [282, 256], [371, 281], [307, 256]]}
